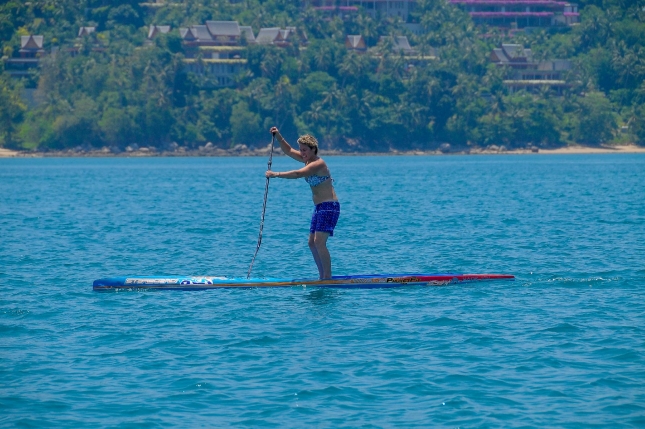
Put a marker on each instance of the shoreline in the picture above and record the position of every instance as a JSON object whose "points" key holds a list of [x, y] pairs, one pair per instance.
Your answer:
{"points": [[147, 153]]}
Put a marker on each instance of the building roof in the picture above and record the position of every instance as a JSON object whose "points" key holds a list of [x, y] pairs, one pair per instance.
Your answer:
{"points": [[31, 42], [223, 28], [268, 36], [187, 34], [402, 43], [355, 41], [247, 32], [297, 31], [86, 31], [399, 43], [516, 52], [289, 32], [511, 52], [498, 56], [156, 29], [516, 56], [201, 32]]}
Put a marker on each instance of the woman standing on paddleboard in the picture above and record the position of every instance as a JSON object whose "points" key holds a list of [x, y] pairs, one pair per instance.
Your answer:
{"points": [[327, 210]]}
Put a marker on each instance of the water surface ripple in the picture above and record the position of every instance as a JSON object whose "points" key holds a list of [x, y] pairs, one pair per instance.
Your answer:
{"points": [[563, 346]]}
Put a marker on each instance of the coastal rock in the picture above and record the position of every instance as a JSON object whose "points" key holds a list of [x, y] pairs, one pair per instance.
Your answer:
{"points": [[208, 147], [239, 148], [445, 147], [263, 150]]}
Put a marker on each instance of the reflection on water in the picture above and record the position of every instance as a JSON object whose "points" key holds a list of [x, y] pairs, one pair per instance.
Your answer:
{"points": [[323, 296]]}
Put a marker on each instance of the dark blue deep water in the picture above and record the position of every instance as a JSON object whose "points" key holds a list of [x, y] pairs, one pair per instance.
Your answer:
{"points": [[562, 346]]}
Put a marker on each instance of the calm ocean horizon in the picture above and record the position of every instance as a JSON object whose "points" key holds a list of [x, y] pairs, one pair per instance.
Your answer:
{"points": [[561, 346]]}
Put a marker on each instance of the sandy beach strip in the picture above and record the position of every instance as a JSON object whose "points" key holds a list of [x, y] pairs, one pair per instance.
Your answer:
{"points": [[6, 153], [586, 149]]}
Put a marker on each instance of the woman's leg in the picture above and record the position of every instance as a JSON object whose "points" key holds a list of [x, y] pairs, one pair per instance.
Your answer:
{"points": [[320, 244], [314, 252]]}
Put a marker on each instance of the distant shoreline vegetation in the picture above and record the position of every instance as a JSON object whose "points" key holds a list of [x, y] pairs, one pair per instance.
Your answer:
{"points": [[244, 151], [78, 76]]}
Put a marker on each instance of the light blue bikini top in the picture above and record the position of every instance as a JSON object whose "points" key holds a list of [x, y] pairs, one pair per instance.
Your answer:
{"points": [[316, 180]]}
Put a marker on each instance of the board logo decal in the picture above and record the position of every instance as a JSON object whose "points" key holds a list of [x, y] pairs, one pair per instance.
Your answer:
{"points": [[402, 279], [151, 281]]}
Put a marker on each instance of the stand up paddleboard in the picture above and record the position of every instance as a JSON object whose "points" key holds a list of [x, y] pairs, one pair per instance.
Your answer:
{"points": [[349, 282]]}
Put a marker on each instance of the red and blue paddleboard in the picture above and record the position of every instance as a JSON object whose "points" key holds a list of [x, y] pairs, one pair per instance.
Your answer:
{"points": [[347, 282]]}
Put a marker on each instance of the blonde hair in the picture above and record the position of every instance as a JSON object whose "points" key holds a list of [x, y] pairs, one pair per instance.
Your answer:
{"points": [[309, 140]]}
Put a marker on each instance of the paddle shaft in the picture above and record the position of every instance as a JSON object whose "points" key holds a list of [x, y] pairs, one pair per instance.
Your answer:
{"points": [[264, 208]]}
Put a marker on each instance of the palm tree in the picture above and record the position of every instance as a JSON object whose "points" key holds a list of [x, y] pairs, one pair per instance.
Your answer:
{"points": [[368, 28], [271, 64], [323, 57], [349, 66], [282, 102]]}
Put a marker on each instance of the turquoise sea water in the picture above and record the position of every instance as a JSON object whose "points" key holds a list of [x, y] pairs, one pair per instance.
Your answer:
{"points": [[562, 346]]}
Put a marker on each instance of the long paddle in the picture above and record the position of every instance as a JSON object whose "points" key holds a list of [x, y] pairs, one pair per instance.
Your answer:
{"points": [[264, 208]]}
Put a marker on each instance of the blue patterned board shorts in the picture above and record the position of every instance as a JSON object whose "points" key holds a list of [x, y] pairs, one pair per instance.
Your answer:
{"points": [[325, 217]]}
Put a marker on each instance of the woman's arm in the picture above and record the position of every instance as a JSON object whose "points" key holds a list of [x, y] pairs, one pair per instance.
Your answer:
{"points": [[307, 170], [286, 148]]}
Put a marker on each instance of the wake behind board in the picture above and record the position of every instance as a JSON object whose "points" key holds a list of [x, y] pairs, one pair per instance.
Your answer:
{"points": [[349, 282]]}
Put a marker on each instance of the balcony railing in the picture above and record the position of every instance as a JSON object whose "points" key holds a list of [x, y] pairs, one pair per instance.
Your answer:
{"points": [[510, 14], [511, 2]]}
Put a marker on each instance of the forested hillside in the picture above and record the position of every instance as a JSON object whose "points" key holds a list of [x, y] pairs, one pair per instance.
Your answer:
{"points": [[113, 89]]}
